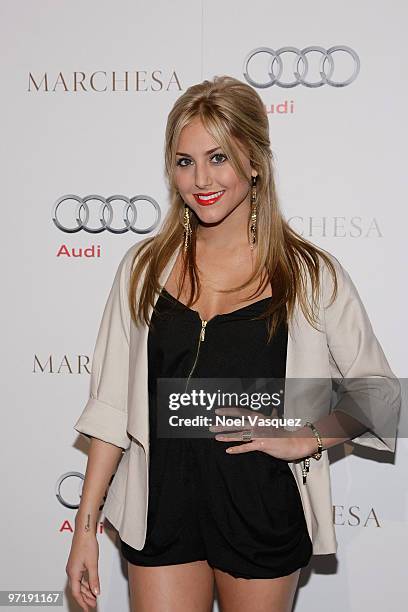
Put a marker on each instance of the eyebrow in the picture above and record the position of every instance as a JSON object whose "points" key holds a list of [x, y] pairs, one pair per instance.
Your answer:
{"points": [[206, 153]]}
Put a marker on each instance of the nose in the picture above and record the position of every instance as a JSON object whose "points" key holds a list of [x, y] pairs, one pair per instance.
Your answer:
{"points": [[202, 178]]}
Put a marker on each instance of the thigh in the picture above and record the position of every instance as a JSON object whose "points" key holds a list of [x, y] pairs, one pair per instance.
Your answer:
{"points": [[255, 594], [171, 588]]}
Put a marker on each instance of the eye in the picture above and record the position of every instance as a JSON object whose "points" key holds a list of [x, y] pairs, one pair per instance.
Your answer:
{"points": [[219, 155], [178, 162]]}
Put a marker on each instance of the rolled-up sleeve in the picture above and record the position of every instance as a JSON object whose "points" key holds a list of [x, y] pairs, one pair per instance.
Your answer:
{"points": [[366, 387], [105, 413]]}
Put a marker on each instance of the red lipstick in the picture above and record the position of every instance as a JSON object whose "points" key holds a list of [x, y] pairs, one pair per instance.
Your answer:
{"points": [[205, 199]]}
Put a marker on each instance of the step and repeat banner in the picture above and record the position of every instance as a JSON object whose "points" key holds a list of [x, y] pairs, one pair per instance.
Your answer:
{"points": [[86, 90]]}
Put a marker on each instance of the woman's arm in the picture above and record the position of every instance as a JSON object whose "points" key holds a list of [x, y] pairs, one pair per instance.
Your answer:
{"points": [[334, 429], [368, 391], [103, 460], [106, 411], [367, 411], [103, 423], [82, 564]]}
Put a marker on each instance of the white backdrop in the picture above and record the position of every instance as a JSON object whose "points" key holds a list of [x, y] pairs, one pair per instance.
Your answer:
{"points": [[340, 154]]}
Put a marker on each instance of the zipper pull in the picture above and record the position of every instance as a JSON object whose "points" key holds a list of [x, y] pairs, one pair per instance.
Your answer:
{"points": [[203, 325]]}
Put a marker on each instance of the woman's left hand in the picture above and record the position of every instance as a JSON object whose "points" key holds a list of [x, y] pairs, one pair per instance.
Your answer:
{"points": [[265, 438]]}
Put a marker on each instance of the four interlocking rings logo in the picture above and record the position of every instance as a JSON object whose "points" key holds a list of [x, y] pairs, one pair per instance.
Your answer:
{"points": [[81, 215], [326, 67]]}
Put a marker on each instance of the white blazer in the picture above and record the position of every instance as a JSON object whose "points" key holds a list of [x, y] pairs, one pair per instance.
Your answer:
{"points": [[346, 348]]}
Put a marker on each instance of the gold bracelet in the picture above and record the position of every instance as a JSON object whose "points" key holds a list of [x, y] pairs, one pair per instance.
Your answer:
{"points": [[317, 455]]}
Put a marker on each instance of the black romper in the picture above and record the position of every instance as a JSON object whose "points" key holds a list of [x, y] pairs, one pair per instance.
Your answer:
{"points": [[242, 513]]}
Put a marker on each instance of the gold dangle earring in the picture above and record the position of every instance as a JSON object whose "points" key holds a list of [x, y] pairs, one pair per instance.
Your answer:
{"points": [[252, 226], [187, 228]]}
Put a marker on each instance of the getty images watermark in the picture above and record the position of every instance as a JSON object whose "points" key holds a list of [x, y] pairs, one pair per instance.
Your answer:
{"points": [[204, 401], [189, 407]]}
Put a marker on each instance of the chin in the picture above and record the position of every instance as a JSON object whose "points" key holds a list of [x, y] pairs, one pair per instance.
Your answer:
{"points": [[206, 215]]}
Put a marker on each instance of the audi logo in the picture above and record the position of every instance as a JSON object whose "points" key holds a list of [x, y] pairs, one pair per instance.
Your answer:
{"points": [[73, 480], [82, 214], [301, 66], [77, 475]]}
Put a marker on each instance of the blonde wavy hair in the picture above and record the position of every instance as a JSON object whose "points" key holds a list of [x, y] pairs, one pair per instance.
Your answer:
{"points": [[234, 114]]}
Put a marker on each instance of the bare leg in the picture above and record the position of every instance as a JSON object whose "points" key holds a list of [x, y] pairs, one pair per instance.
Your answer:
{"points": [[255, 594], [171, 588]]}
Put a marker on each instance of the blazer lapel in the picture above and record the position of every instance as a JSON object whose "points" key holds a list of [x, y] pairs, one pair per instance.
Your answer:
{"points": [[138, 420]]}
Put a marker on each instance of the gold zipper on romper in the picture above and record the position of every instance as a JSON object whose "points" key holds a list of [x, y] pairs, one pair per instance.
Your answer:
{"points": [[200, 340]]}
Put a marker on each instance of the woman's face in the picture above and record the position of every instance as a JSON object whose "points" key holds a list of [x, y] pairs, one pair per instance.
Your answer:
{"points": [[202, 169]]}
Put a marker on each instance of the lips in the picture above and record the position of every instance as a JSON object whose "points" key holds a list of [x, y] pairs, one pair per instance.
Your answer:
{"points": [[205, 199]]}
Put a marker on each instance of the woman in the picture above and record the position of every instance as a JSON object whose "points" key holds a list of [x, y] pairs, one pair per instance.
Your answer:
{"points": [[245, 508]]}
